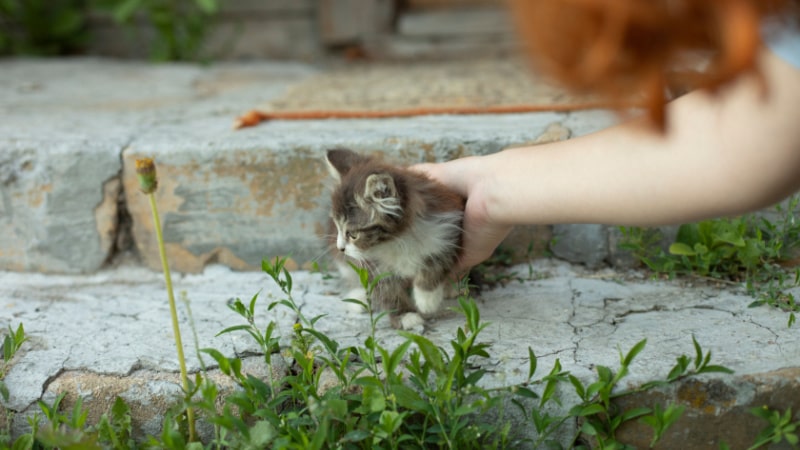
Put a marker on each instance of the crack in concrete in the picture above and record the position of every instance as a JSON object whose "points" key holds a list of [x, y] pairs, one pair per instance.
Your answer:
{"points": [[122, 239], [775, 335], [576, 337]]}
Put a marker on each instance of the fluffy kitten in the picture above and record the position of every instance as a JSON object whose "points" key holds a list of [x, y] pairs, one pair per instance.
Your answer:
{"points": [[391, 219]]}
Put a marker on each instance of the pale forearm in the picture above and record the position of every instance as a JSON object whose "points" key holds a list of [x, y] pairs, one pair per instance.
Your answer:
{"points": [[722, 155]]}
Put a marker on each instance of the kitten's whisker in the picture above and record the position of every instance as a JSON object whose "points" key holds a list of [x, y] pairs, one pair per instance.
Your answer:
{"points": [[326, 251]]}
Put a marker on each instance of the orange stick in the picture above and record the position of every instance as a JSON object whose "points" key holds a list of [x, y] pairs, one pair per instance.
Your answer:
{"points": [[254, 117]]}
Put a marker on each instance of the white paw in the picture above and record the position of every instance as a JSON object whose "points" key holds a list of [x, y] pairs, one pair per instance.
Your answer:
{"points": [[412, 321], [428, 302], [356, 294]]}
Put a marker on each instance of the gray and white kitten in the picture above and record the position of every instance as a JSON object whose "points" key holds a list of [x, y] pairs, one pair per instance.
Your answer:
{"points": [[392, 220]]}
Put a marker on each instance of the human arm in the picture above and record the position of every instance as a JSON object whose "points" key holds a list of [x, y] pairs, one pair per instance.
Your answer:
{"points": [[722, 154]]}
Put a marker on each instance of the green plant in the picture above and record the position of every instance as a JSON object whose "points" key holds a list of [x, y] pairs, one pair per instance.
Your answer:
{"points": [[377, 401], [599, 412], [181, 26], [11, 344], [746, 249], [780, 427], [148, 183], [644, 244], [42, 27], [416, 395], [775, 292]]}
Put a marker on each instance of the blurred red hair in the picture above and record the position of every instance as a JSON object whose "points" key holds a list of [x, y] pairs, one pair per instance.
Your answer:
{"points": [[632, 51]]}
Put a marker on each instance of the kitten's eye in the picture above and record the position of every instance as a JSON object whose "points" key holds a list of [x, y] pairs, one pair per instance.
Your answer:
{"points": [[350, 235]]}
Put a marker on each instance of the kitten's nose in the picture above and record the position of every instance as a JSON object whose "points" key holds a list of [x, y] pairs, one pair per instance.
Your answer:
{"points": [[341, 249]]}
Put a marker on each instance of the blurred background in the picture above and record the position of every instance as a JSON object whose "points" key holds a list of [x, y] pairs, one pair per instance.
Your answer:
{"points": [[234, 30]]}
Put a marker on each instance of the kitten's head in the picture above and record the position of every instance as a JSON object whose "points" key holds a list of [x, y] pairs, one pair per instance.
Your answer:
{"points": [[368, 202]]}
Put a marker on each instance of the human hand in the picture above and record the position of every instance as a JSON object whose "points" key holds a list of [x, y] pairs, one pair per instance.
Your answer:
{"points": [[481, 234]]}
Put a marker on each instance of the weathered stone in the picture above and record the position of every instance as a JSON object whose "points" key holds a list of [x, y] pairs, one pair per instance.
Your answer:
{"points": [[148, 394], [238, 197], [234, 208], [656, 238], [717, 410], [113, 338], [350, 21], [58, 204], [456, 22], [581, 243]]}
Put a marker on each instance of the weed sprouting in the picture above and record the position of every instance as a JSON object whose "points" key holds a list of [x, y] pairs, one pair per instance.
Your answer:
{"points": [[782, 427], [748, 249], [415, 395]]}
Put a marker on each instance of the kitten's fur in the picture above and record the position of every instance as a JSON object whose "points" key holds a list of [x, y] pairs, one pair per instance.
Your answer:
{"points": [[391, 219]]}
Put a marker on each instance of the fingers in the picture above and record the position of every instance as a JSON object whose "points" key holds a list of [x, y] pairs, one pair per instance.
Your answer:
{"points": [[453, 174], [481, 235], [479, 242]]}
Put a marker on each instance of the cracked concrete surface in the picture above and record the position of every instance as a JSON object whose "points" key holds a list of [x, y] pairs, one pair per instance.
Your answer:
{"points": [[112, 329]]}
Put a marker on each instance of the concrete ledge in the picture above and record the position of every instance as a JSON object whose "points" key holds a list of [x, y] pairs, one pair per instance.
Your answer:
{"points": [[108, 334], [72, 130]]}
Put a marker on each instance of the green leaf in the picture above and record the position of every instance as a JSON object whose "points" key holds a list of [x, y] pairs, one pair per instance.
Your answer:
{"points": [[8, 348], [24, 442], [588, 429], [222, 360], [549, 390], [409, 398], [373, 399], [356, 436], [432, 354], [525, 392], [261, 434], [680, 367], [634, 413], [763, 412], [207, 6], [356, 302], [715, 368], [233, 328], [337, 408], [679, 248], [393, 362], [126, 9], [633, 352], [579, 389], [698, 353], [688, 234], [120, 410], [531, 363], [589, 410]]}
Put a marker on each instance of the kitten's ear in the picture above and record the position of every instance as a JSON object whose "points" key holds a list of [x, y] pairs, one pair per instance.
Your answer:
{"points": [[380, 196], [380, 186], [340, 160]]}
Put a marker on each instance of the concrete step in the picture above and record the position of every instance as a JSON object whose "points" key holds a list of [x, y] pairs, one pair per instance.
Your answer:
{"points": [[72, 129], [108, 334]]}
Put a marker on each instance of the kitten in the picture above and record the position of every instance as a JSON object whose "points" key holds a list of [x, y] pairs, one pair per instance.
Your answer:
{"points": [[391, 219]]}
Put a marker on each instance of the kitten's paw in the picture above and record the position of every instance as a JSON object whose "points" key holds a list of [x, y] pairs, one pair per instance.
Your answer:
{"points": [[428, 302], [357, 294], [411, 322]]}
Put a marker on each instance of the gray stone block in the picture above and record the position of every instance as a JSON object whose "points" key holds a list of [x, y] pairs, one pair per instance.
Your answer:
{"points": [[58, 204], [236, 197], [581, 243]]}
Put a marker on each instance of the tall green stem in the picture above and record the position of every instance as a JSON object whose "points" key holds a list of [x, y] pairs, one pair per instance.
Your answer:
{"points": [[173, 310]]}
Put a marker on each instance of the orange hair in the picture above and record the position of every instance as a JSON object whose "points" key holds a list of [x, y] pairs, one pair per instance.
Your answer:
{"points": [[634, 50]]}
